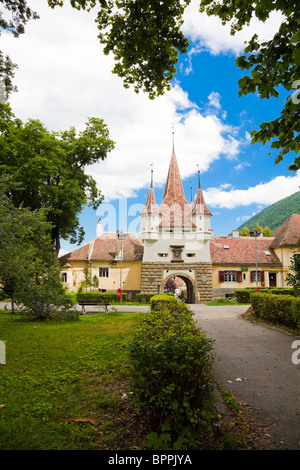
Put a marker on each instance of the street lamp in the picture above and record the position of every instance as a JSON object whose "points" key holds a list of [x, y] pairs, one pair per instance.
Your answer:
{"points": [[255, 235], [121, 236]]}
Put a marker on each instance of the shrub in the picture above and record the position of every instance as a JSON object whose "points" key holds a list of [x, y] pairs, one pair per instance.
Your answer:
{"points": [[243, 295], [144, 298], [161, 301], [108, 296], [282, 309], [172, 367]]}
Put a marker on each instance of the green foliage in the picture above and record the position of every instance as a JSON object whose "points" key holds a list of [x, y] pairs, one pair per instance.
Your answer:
{"points": [[60, 370], [48, 170], [107, 296], [245, 232], [162, 300], [243, 295], [29, 270], [293, 277], [272, 64], [144, 298], [172, 369], [283, 309], [276, 214]]}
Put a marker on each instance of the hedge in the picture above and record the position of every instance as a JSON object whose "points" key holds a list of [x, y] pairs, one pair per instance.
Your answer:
{"points": [[283, 309], [243, 295], [172, 369], [144, 298], [161, 301], [108, 296]]}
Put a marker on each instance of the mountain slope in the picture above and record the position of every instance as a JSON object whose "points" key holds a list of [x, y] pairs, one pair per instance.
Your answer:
{"points": [[276, 214]]}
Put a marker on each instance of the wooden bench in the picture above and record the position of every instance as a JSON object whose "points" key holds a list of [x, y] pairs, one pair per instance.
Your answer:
{"points": [[86, 302]]}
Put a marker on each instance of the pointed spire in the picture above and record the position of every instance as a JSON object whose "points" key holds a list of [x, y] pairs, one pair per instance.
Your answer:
{"points": [[192, 202], [174, 193], [151, 185], [175, 209], [173, 150], [150, 206], [200, 207]]}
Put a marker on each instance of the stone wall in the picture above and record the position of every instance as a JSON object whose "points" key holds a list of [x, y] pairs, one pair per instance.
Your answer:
{"points": [[154, 275]]}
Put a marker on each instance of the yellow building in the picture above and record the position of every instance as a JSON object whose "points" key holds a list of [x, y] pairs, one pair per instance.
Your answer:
{"points": [[235, 259], [113, 262]]}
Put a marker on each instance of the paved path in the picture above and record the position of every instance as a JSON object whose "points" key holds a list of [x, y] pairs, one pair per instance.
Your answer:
{"points": [[262, 357]]}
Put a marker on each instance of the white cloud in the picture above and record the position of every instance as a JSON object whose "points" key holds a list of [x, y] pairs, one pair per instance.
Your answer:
{"points": [[64, 78], [207, 32], [214, 99], [263, 193], [242, 165]]}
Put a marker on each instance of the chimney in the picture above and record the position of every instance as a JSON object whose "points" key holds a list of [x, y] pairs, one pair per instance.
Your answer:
{"points": [[99, 228], [235, 234]]}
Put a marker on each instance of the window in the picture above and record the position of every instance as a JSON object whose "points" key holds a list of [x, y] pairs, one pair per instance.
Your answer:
{"points": [[103, 272], [163, 255], [257, 276], [190, 255], [64, 276], [229, 276]]}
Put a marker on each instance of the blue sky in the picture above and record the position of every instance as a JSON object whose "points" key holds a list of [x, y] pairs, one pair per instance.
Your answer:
{"points": [[63, 78]]}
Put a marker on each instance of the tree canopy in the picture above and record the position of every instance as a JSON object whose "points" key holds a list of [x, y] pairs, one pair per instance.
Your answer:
{"points": [[145, 38], [49, 169]]}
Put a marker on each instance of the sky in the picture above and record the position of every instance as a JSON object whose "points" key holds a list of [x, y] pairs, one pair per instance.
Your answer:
{"points": [[63, 78]]}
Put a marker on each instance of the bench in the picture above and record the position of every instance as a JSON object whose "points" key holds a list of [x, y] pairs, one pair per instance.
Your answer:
{"points": [[86, 302]]}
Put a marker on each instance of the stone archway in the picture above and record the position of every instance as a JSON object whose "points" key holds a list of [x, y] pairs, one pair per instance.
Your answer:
{"points": [[190, 297]]}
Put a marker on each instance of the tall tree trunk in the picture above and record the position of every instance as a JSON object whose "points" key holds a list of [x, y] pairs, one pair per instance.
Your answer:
{"points": [[56, 240]]}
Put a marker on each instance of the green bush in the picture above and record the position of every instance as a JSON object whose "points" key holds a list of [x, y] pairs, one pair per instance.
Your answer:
{"points": [[243, 295], [162, 300], [144, 298], [107, 296], [283, 309], [3, 296], [172, 368]]}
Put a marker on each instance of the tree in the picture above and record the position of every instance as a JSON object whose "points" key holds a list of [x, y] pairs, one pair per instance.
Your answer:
{"points": [[244, 232], [170, 285], [273, 64], [50, 169], [145, 38], [29, 269], [293, 277], [13, 18], [267, 232]]}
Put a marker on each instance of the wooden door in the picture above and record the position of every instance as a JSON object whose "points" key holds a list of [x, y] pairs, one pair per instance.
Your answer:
{"points": [[272, 279]]}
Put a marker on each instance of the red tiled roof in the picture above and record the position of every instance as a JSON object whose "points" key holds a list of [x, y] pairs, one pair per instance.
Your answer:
{"points": [[106, 248], [174, 193], [200, 206], [288, 233], [242, 251], [150, 206]]}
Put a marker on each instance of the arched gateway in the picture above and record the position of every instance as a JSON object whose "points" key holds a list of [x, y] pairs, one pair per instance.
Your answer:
{"points": [[176, 237], [189, 283]]}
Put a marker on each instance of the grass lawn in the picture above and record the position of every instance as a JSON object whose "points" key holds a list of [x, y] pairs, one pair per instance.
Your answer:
{"points": [[64, 385]]}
